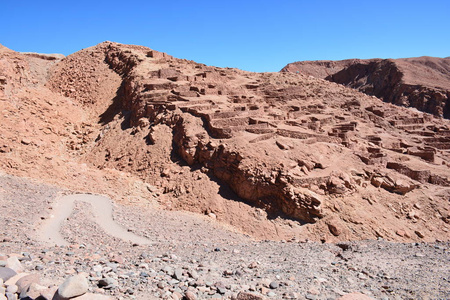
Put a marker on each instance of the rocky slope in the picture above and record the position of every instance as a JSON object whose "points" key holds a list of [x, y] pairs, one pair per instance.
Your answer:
{"points": [[275, 155], [421, 82], [255, 156]]}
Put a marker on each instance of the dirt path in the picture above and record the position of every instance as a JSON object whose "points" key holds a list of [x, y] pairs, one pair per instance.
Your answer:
{"points": [[102, 210]]}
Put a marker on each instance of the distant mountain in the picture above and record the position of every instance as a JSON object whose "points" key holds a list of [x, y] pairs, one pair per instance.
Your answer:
{"points": [[420, 82]]}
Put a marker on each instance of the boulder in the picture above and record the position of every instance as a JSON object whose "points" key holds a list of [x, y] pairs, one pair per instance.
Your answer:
{"points": [[74, 286], [6, 273], [24, 283]]}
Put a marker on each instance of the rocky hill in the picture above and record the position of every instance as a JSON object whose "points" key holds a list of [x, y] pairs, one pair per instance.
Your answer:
{"points": [[276, 155], [420, 82], [205, 166]]}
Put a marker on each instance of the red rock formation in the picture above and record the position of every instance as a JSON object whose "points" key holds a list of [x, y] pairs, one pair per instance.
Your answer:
{"points": [[322, 160], [421, 82]]}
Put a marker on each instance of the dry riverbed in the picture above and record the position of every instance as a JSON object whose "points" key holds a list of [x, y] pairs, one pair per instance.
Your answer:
{"points": [[184, 255]]}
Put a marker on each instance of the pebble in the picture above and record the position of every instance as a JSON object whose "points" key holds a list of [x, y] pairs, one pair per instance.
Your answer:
{"points": [[313, 291], [178, 274], [193, 274], [107, 283], [274, 285], [168, 270], [311, 297], [39, 267], [362, 276]]}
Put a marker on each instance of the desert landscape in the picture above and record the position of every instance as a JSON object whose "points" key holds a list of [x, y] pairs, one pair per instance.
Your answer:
{"points": [[127, 173]]}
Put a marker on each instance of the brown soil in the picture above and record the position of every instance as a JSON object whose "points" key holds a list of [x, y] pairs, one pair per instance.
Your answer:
{"points": [[275, 155]]}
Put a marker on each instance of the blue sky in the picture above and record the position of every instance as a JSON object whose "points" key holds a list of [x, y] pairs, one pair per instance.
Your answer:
{"points": [[250, 35]]}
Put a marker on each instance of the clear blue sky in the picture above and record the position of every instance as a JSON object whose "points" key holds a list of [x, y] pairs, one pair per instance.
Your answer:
{"points": [[250, 35]]}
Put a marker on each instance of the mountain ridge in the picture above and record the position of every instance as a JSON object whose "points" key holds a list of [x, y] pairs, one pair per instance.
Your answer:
{"points": [[420, 82]]}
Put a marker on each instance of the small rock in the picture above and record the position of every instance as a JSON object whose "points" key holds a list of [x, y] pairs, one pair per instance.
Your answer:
{"points": [[144, 274], [39, 267], [73, 286], [14, 263], [25, 141], [282, 145], [97, 268], [253, 265], [190, 295], [6, 273], [12, 289], [274, 285], [334, 229], [362, 276], [400, 233], [264, 290], [419, 234], [193, 274], [107, 283], [249, 296], [11, 296], [314, 291], [168, 270], [178, 274], [311, 297], [221, 290]]}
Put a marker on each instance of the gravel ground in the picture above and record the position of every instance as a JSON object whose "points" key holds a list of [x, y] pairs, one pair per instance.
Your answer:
{"points": [[193, 254]]}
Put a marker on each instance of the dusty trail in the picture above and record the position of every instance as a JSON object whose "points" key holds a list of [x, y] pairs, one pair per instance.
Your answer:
{"points": [[102, 210]]}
